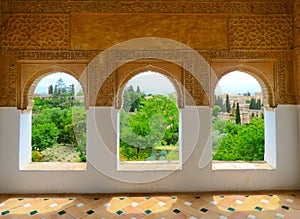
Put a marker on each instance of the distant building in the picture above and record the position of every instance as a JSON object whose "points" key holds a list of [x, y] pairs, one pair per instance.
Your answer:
{"points": [[244, 104]]}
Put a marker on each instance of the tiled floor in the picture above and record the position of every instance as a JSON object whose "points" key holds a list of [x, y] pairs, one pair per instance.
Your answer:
{"points": [[267, 205]]}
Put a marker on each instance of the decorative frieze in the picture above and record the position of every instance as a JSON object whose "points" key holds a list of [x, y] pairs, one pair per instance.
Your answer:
{"points": [[149, 6], [282, 70]]}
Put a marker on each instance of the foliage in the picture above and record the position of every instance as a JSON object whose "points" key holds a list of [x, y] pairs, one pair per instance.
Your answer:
{"points": [[247, 94], [227, 104], [44, 135], [59, 119], [256, 105], [80, 93], [216, 110], [132, 99], [219, 102], [244, 142], [154, 122], [50, 89], [128, 153], [36, 156]]}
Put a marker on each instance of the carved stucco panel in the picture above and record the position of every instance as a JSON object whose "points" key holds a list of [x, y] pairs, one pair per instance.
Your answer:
{"points": [[297, 23], [296, 75], [35, 32], [8, 79], [261, 32]]}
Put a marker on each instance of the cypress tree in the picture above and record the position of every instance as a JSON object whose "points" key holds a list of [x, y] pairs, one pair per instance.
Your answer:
{"points": [[227, 103], [252, 103], [50, 89], [258, 104], [237, 114], [72, 90], [55, 89]]}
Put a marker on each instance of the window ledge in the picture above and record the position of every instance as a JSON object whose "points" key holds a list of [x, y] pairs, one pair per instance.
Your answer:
{"points": [[240, 165], [50, 166], [149, 166]]}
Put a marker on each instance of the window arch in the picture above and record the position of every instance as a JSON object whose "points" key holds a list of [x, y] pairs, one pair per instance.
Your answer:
{"points": [[63, 109], [264, 82], [149, 123], [262, 139], [173, 79], [30, 83]]}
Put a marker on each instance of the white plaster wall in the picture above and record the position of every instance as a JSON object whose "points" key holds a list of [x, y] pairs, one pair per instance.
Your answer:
{"points": [[25, 139], [270, 141], [196, 175]]}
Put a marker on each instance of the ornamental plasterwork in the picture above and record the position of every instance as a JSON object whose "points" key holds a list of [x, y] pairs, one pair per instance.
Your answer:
{"points": [[149, 6], [254, 30], [257, 32], [35, 32], [282, 67]]}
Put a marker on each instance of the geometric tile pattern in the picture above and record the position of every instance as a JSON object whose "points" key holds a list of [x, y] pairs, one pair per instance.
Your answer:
{"points": [[284, 204]]}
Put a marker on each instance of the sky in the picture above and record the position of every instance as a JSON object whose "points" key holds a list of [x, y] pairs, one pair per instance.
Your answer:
{"points": [[42, 86], [237, 82], [233, 83], [154, 83]]}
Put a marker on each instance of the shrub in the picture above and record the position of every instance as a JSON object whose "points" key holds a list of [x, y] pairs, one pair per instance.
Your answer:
{"points": [[36, 156], [44, 135]]}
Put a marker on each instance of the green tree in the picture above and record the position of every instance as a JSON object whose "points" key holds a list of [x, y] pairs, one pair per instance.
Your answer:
{"points": [[219, 102], [237, 114], [227, 104], [130, 88], [252, 104], [50, 89], [55, 90], [132, 99], [156, 121], [62, 119], [80, 93], [244, 143], [62, 97], [44, 135], [72, 90], [258, 104], [216, 110], [57, 121]]}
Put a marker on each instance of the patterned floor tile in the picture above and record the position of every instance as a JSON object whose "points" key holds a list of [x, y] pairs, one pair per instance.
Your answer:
{"points": [[263, 205]]}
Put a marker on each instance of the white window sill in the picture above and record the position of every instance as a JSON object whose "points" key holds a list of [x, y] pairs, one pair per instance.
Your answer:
{"points": [[53, 166], [241, 165], [149, 166]]}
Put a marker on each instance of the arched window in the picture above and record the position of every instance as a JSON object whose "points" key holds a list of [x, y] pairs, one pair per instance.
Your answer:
{"points": [[149, 124], [238, 120], [58, 123]]}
